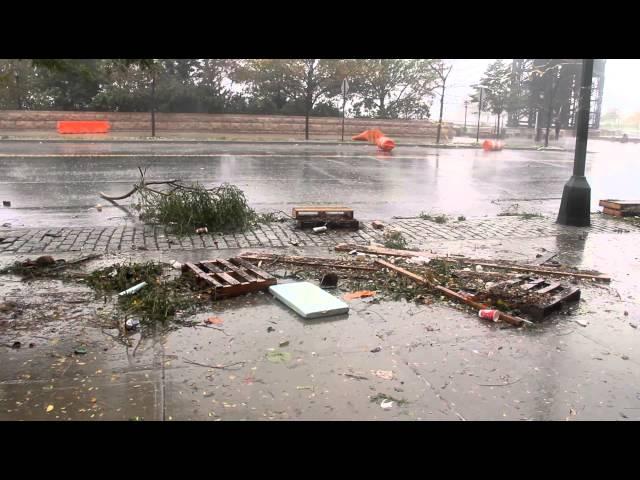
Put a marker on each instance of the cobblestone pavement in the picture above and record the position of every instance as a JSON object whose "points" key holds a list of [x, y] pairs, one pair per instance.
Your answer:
{"points": [[156, 238]]}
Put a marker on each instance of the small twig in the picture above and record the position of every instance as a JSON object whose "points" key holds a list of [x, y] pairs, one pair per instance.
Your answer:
{"points": [[357, 377], [221, 367]]}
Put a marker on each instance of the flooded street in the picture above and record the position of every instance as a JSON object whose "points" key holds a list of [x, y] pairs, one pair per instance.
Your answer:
{"points": [[58, 184]]}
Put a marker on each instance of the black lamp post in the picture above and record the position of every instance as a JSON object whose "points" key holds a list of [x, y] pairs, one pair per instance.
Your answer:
{"points": [[576, 196], [481, 87]]}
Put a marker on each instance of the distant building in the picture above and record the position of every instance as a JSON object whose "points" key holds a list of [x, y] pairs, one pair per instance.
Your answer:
{"points": [[535, 81]]}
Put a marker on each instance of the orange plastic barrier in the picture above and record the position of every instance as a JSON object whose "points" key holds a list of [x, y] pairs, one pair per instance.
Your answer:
{"points": [[492, 145], [376, 137], [94, 126]]}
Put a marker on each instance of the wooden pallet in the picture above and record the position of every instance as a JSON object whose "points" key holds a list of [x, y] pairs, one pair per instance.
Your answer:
{"points": [[229, 278], [332, 217], [620, 208], [561, 293]]}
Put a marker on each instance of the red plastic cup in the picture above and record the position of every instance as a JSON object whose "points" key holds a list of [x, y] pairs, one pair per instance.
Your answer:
{"points": [[487, 314]]}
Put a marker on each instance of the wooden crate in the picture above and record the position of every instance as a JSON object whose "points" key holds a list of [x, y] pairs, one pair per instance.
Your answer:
{"points": [[229, 278], [561, 293]]}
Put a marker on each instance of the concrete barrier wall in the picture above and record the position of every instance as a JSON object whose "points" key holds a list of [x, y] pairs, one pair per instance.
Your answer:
{"points": [[12, 120]]}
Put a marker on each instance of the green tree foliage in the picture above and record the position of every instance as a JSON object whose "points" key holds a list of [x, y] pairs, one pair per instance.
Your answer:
{"points": [[392, 88]]}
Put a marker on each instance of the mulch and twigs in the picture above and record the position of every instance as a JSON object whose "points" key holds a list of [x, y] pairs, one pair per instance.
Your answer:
{"points": [[219, 367]]}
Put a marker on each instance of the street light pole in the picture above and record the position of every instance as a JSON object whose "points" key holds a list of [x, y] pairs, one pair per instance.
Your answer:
{"points": [[153, 104], [576, 196]]}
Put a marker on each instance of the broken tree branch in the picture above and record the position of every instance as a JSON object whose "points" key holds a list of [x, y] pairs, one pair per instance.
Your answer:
{"points": [[221, 367]]}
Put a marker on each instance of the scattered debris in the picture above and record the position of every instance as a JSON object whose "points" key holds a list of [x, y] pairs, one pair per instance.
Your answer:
{"points": [[386, 404], [384, 397], [625, 357], [450, 293], [319, 229], [80, 351], [376, 350], [99, 207], [377, 225], [134, 289], [278, 357], [270, 329], [307, 261], [346, 247], [356, 377], [176, 265], [308, 300], [359, 294], [202, 230], [284, 344], [132, 323], [6, 203], [6, 225], [384, 374], [214, 321], [49, 408], [488, 314], [329, 280], [16, 345], [44, 266], [433, 218]]}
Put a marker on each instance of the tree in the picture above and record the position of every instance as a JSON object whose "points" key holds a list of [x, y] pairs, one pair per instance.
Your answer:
{"points": [[497, 79], [16, 80], [297, 82], [393, 88], [442, 74]]}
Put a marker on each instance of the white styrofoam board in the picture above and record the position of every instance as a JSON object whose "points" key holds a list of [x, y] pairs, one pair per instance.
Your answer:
{"points": [[308, 300]]}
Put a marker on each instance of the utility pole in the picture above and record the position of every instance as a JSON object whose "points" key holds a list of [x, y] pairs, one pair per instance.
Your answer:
{"points": [[576, 196]]}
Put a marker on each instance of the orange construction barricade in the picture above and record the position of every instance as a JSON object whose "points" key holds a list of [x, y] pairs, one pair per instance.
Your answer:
{"points": [[93, 126]]}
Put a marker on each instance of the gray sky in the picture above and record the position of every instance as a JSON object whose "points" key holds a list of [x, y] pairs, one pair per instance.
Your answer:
{"points": [[622, 77]]}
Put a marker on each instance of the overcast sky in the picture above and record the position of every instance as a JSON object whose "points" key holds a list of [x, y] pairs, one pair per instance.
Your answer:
{"points": [[622, 77]]}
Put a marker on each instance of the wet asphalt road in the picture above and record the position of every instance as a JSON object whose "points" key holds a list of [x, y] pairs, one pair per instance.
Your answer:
{"points": [[56, 184]]}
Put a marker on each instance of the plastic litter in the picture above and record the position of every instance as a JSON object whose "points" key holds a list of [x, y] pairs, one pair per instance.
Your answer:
{"points": [[133, 289], [308, 300], [320, 229]]}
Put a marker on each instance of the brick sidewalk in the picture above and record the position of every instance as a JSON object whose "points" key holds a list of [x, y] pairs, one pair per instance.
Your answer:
{"points": [[155, 238]]}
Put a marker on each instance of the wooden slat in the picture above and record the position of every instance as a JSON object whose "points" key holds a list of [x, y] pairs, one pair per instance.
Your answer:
{"points": [[612, 212], [253, 269], [533, 284], [219, 272], [310, 261], [202, 275], [347, 247], [550, 288], [239, 271], [211, 266]]}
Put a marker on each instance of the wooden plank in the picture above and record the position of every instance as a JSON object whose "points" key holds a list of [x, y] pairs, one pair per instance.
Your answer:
{"points": [[202, 275], [533, 284], [519, 268], [309, 261], [347, 247], [210, 265], [550, 288], [450, 293]]}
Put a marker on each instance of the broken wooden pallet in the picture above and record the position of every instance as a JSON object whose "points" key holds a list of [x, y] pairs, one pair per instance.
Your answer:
{"points": [[558, 294], [318, 216], [620, 208], [229, 278]]}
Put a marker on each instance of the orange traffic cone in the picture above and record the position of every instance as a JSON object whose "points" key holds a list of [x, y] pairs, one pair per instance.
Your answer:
{"points": [[385, 144]]}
